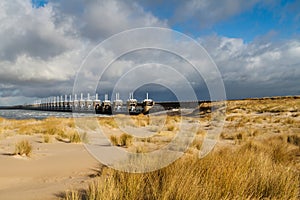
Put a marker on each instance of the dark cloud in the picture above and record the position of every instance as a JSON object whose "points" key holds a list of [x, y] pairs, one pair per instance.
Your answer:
{"points": [[41, 49], [96, 20]]}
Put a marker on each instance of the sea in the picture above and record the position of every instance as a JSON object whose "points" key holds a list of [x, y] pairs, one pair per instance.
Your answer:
{"points": [[35, 114]]}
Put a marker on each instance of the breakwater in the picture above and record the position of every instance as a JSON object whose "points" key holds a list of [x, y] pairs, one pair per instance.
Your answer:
{"points": [[69, 103], [92, 104]]}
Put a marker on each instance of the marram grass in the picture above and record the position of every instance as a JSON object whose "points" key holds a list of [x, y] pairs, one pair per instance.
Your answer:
{"points": [[247, 172], [23, 147]]}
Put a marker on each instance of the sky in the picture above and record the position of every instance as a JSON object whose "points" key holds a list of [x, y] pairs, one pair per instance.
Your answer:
{"points": [[254, 44]]}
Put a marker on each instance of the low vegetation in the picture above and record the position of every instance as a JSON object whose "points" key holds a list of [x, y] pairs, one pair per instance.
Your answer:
{"points": [[258, 156], [63, 130], [23, 148], [249, 171], [47, 138], [125, 140]]}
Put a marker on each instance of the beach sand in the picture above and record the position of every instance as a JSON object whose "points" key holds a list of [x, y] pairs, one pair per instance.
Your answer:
{"points": [[59, 166], [52, 169]]}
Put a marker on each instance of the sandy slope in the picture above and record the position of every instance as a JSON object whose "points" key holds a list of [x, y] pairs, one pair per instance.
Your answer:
{"points": [[56, 167], [51, 170]]}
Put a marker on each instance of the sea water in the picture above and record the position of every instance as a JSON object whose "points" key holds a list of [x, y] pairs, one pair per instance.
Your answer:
{"points": [[35, 114]]}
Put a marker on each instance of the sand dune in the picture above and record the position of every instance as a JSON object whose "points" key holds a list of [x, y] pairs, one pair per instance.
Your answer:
{"points": [[61, 165], [52, 168]]}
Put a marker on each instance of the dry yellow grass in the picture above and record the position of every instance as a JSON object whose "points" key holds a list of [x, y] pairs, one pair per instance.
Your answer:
{"points": [[262, 162], [258, 157], [62, 129], [251, 171], [125, 140], [23, 148], [46, 138], [110, 122]]}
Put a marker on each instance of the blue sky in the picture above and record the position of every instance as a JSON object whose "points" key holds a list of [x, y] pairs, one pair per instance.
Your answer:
{"points": [[280, 17], [255, 44], [39, 3]]}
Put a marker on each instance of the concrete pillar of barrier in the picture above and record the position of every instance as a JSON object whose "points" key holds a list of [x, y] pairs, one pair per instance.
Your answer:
{"points": [[61, 103], [118, 103], [81, 102], [96, 102], [70, 102], [76, 103], [57, 103], [89, 103]]}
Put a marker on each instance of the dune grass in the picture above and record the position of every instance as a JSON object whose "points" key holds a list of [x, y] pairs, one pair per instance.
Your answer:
{"points": [[258, 157], [23, 148], [124, 140], [250, 171], [294, 139], [63, 129], [47, 138]]}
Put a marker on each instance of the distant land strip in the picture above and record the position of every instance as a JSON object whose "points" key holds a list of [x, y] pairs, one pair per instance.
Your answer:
{"points": [[177, 104]]}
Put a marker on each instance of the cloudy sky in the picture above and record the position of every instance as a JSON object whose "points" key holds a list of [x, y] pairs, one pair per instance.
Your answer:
{"points": [[255, 44]]}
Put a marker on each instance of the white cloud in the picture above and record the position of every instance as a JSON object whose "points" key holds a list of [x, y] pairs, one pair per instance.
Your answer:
{"points": [[256, 66], [42, 48], [31, 31]]}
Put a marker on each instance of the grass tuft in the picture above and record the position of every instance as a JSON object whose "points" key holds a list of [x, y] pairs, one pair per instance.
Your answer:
{"points": [[114, 140], [248, 172], [294, 139], [72, 195], [125, 140], [46, 138], [74, 137], [23, 148]]}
